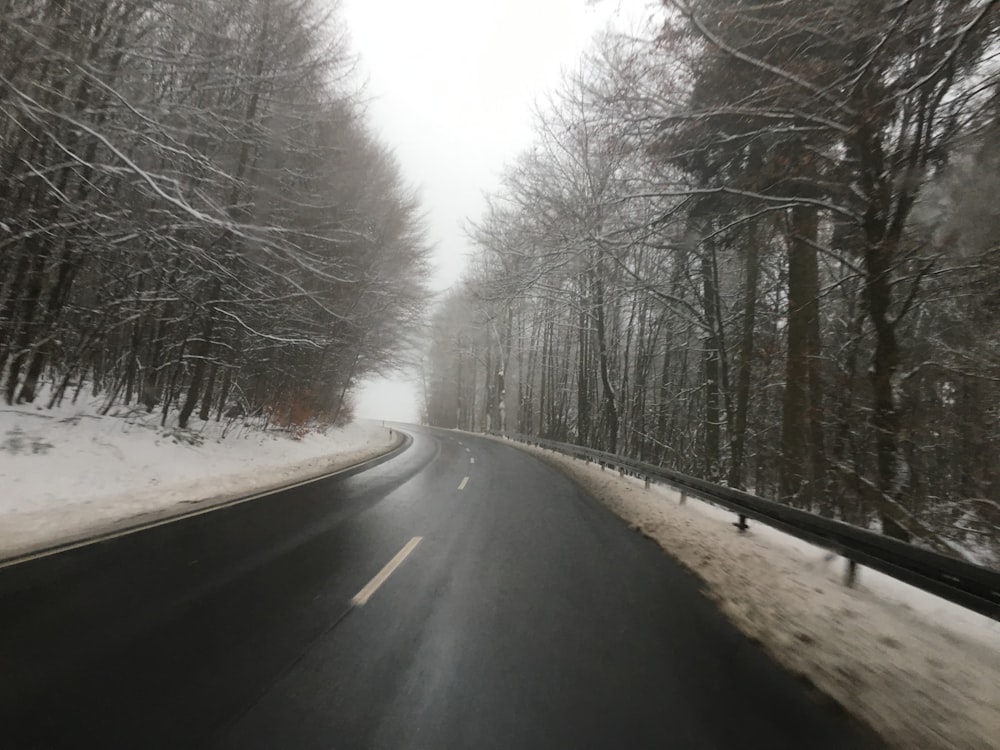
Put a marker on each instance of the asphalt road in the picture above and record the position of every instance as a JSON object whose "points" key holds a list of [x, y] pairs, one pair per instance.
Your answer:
{"points": [[523, 615]]}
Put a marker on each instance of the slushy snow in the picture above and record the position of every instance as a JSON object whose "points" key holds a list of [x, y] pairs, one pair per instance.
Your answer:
{"points": [[69, 473], [921, 671]]}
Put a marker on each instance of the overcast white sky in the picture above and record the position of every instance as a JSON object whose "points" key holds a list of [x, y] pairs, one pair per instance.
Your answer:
{"points": [[451, 86]]}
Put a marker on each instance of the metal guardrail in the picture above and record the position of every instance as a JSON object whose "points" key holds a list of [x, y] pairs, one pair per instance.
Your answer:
{"points": [[961, 582]]}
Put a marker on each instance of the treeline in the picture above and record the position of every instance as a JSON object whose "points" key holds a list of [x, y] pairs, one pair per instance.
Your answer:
{"points": [[760, 246], [194, 216]]}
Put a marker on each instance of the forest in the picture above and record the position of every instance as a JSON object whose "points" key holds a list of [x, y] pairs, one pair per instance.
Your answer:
{"points": [[195, 217], [758, 243]]}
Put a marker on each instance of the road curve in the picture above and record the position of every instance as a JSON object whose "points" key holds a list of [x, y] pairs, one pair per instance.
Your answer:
{"points": [[461, 595]]}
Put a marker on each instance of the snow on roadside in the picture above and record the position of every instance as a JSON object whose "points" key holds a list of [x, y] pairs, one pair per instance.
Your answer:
{"points": [[927, 606], [68, 473], [917, 669]]}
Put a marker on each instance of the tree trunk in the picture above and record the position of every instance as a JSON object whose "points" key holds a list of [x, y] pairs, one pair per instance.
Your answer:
{"points": [[206, 401], [743, 376], [200, 353], [582, 384], [610, 407], [885, 362], [798, 414], [710, 355]]}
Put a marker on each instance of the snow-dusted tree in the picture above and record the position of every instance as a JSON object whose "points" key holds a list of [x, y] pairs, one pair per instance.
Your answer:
{"points": [[195, 215], [743, 248]]}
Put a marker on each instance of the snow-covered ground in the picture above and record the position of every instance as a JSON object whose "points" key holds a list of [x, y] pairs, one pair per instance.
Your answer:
{"points": [[922, 672], [69, 473]]}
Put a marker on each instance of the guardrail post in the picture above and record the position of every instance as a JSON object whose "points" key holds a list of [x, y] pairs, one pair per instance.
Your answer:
{"points": [[684, 497], [621, 472], [851, 576], [742, 524], [647, 483]]}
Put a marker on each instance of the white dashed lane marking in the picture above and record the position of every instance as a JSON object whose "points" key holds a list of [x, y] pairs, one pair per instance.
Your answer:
{"points": [[362, 597]]}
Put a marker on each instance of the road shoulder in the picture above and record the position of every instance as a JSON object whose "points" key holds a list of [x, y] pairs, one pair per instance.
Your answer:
{"points": [[916, 683]]}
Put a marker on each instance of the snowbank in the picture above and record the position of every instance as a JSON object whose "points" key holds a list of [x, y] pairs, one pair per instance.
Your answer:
{"points": [[919, 670], [68, 473]]}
